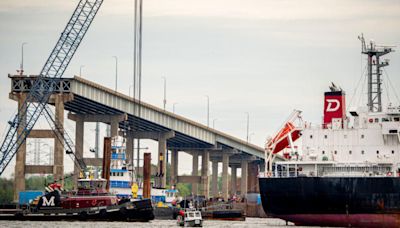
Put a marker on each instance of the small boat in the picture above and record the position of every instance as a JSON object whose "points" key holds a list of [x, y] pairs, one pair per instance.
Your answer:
{"points": [[190, 218]]}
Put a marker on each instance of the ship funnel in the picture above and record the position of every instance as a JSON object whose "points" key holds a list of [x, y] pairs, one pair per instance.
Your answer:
{"points": [[334, 108]]}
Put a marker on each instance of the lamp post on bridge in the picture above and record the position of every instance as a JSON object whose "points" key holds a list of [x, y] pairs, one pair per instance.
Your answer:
{"points": [[208, 110], [165, 92], [116, 72], [247, 131], [214, 122], [21, 67], [80, 70]]}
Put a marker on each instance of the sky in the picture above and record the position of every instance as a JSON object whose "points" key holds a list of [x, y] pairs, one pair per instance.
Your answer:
{"points": [[257, 56]]}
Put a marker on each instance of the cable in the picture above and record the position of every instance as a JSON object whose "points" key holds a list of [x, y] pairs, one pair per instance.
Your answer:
{"points": [[391, 85], [357, 86], [362, 91], [387, 92]]}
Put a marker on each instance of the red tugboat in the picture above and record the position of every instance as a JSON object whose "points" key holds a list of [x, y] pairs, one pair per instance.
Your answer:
{"points": [[90, 202]]}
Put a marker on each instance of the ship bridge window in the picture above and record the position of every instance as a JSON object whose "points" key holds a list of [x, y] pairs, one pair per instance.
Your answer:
{"points": [[362, 136], [310, 136], [349, 151], [325, 136], [362, 152], [396, 119], [385, 119], [376, 120]]}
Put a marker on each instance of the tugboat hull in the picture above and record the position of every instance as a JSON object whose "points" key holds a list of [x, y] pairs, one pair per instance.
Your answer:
{"points": [[140, 210]]}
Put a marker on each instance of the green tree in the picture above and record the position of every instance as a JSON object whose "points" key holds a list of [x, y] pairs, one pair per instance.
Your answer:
{"points": [[6, 190], [184, 189]]}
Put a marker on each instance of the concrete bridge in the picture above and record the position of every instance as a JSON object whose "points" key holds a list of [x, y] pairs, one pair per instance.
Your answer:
{"points": [[87, 101]]}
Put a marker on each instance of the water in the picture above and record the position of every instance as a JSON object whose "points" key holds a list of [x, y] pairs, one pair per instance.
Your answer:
{"points": [[250, 222]]}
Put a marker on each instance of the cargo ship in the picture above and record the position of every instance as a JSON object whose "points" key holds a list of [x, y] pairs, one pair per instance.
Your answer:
{"points": [[344, 172]]}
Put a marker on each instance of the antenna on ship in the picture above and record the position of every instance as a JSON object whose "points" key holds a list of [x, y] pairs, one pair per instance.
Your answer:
{"points": [[374, 52]]}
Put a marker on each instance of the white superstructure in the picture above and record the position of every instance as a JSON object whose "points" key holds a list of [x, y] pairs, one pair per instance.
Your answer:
{"points": [[359, 142]]}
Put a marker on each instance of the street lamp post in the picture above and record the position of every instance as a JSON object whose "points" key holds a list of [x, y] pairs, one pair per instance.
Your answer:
{"points": [[80, 70], [247, 131], [131, 86], [173, 107], [21, 71], [208, 110], [251, 134], [214, 122], [116, 72], [165, 92]]}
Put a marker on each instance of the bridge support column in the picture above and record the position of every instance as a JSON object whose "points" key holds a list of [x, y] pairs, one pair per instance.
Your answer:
{"points": [[174, 167], [252, 186], [162, 166], [129, 150], [243, 179], [19, 176], [114, 127], [79, 133], [195, 170], [225, 165], [58, 144], [214, 179], [233, 179], [204, 174], [162, 162]]}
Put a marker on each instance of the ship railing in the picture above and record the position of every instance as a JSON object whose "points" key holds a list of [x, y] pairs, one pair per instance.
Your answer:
{"points": [[335, 171]]}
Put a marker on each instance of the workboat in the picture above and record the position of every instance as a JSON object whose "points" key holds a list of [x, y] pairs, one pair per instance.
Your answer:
{"points": [[123, 177], [344, 172], [190, 217], [90, 202]]}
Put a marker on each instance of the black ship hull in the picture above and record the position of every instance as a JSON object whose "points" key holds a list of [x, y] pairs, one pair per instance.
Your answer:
{"points": [[333, 201]]}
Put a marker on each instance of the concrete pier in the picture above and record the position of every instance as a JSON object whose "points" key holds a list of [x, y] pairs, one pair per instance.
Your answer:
{"points": [[225, 165], [195, 170], [252, 177], [233, 189], [204, 187], [174, 166], [19, 175], [214, 179], [243, 179]]}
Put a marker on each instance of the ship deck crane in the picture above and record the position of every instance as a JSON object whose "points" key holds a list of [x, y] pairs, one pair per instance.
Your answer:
{"points": [[284, 138], [35, 103]]}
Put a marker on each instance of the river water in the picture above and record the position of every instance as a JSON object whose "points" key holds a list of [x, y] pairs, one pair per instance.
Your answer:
{"points": [[250, 222]]}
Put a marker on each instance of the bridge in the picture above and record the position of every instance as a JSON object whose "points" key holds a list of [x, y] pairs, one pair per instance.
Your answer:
{"points": [[87, 101]]}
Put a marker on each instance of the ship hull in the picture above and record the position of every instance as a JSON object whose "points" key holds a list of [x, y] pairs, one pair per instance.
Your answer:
{"points": [[333, 201]]}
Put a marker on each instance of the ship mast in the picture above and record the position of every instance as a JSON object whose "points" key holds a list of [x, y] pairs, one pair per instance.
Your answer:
{"points": [[374, 52]]}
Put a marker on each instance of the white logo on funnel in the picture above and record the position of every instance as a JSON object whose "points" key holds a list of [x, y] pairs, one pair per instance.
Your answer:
{"points": [[333, 105]]}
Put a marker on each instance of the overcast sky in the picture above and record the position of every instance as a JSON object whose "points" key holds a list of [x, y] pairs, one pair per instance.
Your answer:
{"points": [[262, 57]]}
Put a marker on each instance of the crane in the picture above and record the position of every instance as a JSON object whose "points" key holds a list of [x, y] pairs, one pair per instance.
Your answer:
{"points": [[36, 100]]}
